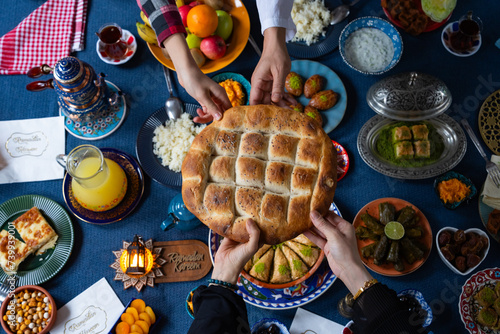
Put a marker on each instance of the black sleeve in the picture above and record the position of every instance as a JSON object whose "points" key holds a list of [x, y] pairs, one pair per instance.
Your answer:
{"points": [[218, 310], [378, 310]]}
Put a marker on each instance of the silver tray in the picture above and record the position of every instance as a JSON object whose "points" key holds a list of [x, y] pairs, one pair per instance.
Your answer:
{"points": [[455, 146]]}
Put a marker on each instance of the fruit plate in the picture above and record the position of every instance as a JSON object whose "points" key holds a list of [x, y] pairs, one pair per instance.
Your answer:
{"points": [[468, 307], [333, 116], [281, 299], [40, 268], [431, 25], [426, 240], [144, 148], [236, 42], [325, 44]]}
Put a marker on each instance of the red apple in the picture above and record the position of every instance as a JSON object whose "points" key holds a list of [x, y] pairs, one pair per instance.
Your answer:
{"points": [[194, 3], [183, 10], [213, 47]]}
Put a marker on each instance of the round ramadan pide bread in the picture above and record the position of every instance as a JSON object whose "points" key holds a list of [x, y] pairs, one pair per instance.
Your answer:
{"points": [[267, 163]]}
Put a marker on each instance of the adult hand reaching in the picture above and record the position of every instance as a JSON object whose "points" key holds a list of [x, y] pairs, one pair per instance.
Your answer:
{"points": [[337, 238], [232, 256], [268, 78]]}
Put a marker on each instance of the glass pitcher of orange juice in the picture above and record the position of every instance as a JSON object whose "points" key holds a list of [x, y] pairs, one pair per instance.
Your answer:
{"points": [[98, 183]]}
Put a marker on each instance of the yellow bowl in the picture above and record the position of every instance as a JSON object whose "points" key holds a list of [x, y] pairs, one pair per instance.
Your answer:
{"points": [[236, 43]]}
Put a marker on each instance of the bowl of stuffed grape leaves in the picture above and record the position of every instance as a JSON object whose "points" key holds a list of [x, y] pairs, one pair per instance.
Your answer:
{"points": [[462, 251], [393, 236]]}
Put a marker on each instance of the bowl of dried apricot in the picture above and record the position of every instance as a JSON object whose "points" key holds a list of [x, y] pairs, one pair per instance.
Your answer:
{"points": [[28, 308], [453, 189], [137, 317]]}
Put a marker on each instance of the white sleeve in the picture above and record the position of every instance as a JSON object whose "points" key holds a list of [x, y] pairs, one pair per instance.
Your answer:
{"points": [[276, 13]]}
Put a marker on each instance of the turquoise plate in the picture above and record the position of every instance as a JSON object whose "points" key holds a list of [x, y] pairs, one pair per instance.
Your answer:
{"points": [[102, 127], [40, 268], [333, 116], [236, 77]]}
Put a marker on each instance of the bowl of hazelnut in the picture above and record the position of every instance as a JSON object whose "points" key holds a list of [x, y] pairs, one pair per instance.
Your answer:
{"points": [[29, 309], [462, 251]]}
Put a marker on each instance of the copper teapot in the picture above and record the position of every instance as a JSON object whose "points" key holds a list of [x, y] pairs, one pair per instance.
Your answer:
{"points": [[81, 94]]}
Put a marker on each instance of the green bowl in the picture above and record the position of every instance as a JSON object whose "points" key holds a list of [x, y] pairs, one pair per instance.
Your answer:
{"points": [[454, 175]]}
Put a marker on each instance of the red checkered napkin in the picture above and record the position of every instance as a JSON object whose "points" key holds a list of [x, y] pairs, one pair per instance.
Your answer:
{"points": [[52, 31]]}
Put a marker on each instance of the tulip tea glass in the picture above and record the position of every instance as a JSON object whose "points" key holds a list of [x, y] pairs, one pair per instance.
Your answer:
{"points": [[469, 29], [110, 35]]}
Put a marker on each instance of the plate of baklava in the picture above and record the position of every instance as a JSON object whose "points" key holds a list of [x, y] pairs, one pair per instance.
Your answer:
{"points": [[479, 303], [36, 239], [283, 276], [412, 149]]}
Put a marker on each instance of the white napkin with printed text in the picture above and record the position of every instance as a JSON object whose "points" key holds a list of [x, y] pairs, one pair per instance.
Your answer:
{"points": [[28, 149], [309, 323], [491, 194], [95, 310]]}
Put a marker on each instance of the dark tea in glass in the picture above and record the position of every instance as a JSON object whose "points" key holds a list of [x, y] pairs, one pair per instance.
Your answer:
{"points": [[469, 28], [111, 36]]}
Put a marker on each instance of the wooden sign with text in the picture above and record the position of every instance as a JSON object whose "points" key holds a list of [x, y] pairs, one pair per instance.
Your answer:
{"points": [[187, 260]]}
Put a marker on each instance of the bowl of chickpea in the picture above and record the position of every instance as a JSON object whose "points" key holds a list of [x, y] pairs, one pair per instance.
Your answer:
{"points": [[29, 309]]}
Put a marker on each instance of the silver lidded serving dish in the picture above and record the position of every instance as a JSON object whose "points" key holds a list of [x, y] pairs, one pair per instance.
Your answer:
{"points": [[411, 97]]}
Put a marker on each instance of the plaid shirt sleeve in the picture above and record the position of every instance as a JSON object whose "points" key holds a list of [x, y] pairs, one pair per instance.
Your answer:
{"points": [[163, 16]]}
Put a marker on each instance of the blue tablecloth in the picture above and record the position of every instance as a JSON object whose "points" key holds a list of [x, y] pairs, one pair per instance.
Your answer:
{"points": [[470, 80]]}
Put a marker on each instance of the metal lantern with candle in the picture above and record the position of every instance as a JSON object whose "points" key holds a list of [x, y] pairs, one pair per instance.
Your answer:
{"points": [[137, 260], [138, 263]]}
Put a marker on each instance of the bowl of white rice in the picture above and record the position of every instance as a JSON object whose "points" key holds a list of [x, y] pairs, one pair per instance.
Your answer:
{"points": [[370, 45]]}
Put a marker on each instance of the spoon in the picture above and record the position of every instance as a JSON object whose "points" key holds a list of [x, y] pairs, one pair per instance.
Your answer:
{"points": [[173, 105], [341, 12]]}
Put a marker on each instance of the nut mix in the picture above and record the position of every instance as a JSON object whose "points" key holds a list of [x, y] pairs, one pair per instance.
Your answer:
{"points": [[28, 312]]}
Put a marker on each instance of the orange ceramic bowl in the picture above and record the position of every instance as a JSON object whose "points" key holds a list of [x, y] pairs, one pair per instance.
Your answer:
{"points": [[235, 44], [288, 284], [30, 288]]}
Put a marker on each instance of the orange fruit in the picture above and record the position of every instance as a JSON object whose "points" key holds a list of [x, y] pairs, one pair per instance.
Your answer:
{"points": [[202, 20], [139, 305], [128, 318], [122, 328]]}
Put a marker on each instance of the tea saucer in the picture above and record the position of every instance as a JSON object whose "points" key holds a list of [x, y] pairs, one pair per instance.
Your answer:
{"points": [[452, 28], [135, 189], [128, 37], [102, 127]]}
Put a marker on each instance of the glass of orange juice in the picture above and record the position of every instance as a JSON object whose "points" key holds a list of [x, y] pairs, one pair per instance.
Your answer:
{"points": [[98, 183]]}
